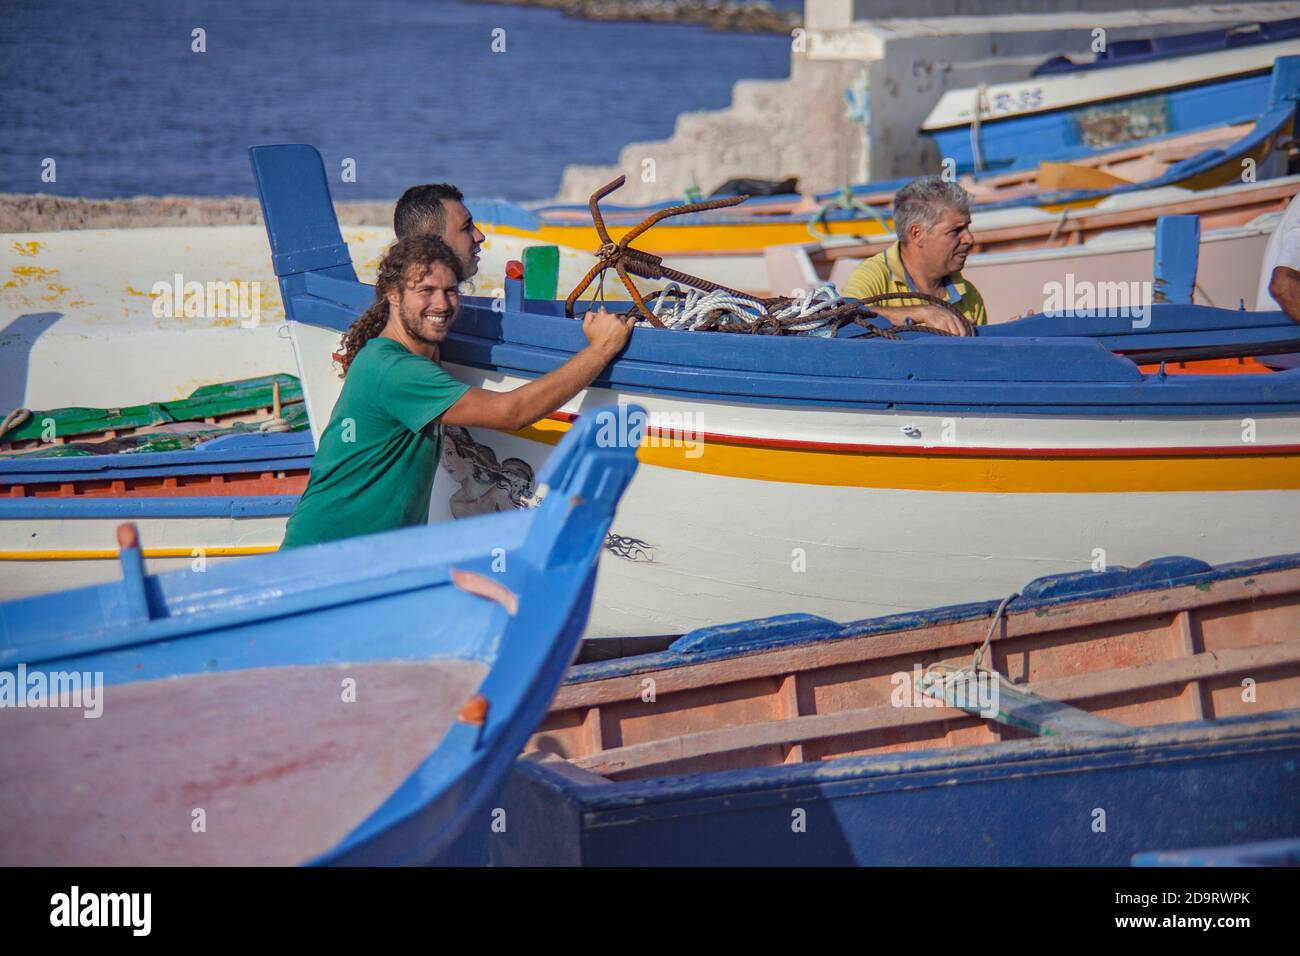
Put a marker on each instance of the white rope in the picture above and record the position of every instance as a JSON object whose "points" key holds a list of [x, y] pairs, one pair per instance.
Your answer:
{"points": [[950, 676], [822, 298], [690, 312]]}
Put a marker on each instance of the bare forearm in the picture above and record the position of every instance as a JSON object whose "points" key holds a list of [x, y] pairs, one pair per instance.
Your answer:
{"points": [[896, 314], [544, 395], [1284, 286], [522, 406], [606, 334]]}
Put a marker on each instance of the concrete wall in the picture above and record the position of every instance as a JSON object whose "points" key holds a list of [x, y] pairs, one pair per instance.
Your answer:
{"points": [[837, 14], [804, 126]]}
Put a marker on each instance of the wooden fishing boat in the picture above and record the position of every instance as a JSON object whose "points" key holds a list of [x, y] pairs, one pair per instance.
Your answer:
{"points": [[797, 740], [209, 477], [1066, 112], [1012, 283], [1205, 160], [845, 477], [404, 671], [1071, 231], [1144, 89]]}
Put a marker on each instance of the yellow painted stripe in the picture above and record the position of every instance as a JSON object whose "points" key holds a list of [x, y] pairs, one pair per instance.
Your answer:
{"points": [[740, 238], [103, 554], [749, 238], [990, 474]]}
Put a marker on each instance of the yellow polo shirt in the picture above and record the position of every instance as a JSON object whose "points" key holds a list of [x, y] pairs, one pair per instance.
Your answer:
{"points": [[884, 272]]}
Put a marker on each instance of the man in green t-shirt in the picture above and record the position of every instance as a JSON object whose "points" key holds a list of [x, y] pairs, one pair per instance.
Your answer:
{"points": [[375, 465]]}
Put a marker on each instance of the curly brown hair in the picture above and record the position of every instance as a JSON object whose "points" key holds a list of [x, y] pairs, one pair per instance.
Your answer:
{"points": [[400, 263]]}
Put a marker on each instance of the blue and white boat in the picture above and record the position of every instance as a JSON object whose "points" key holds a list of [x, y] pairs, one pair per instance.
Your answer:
{"points": [[1135, 90], [985, 461], [352, 702], [843, 476]]}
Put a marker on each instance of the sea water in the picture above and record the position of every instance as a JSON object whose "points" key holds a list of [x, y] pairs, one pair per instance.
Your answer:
{"points": [[496, 99]]}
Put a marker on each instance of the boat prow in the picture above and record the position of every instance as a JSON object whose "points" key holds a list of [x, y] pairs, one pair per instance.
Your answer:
{"points": [[350, 702]]}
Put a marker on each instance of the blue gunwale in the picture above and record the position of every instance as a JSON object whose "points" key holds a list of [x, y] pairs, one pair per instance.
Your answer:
{"points": [[729, 641], [181, 506], [1164, 48], [1285, 852], [271, 451], [1009, 369]]}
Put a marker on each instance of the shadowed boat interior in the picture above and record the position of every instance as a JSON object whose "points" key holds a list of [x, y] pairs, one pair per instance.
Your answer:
{"points": [[282, 765], [1198, 652]]}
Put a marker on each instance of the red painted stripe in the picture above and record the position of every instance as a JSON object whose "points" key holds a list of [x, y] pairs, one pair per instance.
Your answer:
{"points": [[1198, 451]]}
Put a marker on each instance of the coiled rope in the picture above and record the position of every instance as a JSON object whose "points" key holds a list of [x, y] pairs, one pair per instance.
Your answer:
{"points": [[14, 420], [821, 313]]}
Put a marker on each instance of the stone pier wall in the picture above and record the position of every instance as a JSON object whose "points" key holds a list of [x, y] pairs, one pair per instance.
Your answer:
{"points": [[860, 88]]}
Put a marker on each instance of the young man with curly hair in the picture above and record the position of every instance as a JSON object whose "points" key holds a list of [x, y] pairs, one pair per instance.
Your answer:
{"points": [[375, 466]]}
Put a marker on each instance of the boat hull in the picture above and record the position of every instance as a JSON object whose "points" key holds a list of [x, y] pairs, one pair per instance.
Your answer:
{"points": [[797, 740], [45, 552], [856, 534], [1037, 803]]}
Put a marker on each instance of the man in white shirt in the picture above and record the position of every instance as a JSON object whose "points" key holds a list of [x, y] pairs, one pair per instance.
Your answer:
{"points": [[1279, 280]]}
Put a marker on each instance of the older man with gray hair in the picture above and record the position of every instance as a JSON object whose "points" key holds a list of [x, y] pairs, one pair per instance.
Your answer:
{"points": [[932, 222]]}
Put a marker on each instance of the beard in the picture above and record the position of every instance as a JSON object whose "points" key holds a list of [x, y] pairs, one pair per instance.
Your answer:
{"points": [[470, 265], [413, 323]]}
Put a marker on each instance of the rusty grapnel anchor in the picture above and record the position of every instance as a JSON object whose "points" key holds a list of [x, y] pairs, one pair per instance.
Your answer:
{"points": [[623, 259]]}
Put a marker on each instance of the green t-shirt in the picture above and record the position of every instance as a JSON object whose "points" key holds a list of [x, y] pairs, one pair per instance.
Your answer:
{"points": [[375, 465]]}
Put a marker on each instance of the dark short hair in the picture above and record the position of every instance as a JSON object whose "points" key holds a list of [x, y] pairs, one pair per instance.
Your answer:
{"points": [[420, 210]]}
